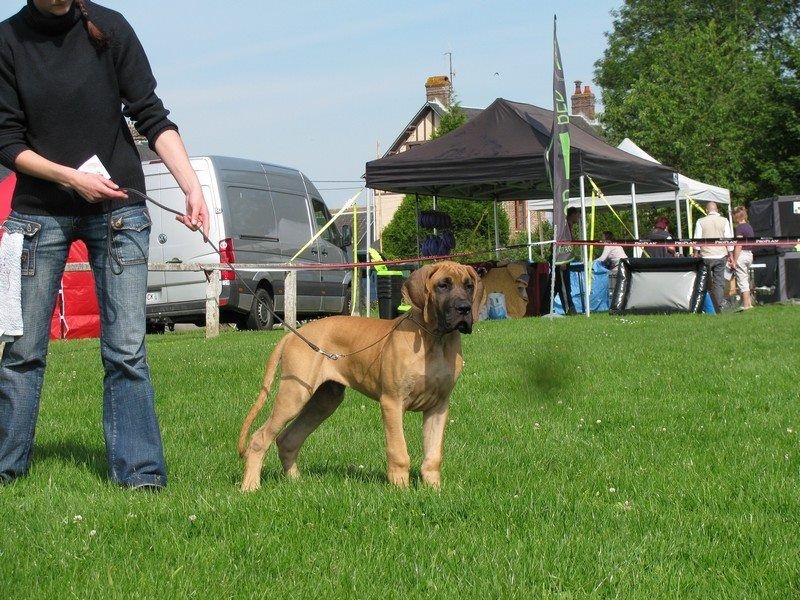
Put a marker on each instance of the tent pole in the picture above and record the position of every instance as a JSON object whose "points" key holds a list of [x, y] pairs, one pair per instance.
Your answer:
{"points": [[416, 220], [584, 252], [678, 216], [367, 287], [528, 227], [637, 250], [496, 233], [689, 233]]}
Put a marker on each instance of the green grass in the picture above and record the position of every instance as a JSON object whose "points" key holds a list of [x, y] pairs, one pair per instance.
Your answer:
{"points": [[635, 457]]}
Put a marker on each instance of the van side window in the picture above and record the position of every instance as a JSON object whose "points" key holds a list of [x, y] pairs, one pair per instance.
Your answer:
{"points": [[321, 217], [294, 226], [251, 212]]}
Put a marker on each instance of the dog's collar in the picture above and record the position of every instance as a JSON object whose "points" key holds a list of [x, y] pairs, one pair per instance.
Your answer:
{"points": [[438, 335]]}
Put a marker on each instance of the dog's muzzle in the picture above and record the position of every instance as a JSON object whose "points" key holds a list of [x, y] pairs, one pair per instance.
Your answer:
{"points": [[461, 317]]}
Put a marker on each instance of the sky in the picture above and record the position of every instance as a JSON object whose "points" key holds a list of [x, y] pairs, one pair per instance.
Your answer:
{"points": [[327, 86]]}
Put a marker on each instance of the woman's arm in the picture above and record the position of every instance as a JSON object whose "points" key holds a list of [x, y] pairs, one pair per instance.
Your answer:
{"points": [[91, 187], [170, 148]]}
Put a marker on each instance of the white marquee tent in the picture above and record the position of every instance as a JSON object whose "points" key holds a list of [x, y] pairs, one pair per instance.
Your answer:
{"points": [[688, 189]]}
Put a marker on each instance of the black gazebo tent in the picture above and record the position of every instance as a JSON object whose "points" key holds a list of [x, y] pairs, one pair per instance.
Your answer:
{"points": [[499, 155]]}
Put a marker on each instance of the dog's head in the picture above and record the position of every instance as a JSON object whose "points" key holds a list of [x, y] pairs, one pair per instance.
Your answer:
{"points": [[446, 294]]}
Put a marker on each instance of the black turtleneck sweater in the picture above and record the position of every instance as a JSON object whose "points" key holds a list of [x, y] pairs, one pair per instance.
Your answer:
{"points": [[62, 97]]}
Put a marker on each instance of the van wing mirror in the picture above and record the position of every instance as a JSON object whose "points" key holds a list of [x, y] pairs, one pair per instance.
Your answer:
{"points": [[347, 235]]}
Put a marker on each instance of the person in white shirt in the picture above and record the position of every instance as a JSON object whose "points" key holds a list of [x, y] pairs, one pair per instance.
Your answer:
{"points": [[717, 256], [612, 253]]}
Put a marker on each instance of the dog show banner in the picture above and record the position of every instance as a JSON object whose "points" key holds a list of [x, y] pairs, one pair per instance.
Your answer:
{"points": [[557, 158]]}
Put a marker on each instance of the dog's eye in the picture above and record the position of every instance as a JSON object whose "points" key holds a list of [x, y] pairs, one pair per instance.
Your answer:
{"points": [[443, 285]]}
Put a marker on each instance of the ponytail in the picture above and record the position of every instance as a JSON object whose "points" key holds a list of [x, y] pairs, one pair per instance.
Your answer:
{"points": [[97, 35]]}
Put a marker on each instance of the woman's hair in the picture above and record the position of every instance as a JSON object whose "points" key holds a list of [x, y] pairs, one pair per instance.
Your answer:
{"points": [[662, 222], [98, 35], [740, 212]]}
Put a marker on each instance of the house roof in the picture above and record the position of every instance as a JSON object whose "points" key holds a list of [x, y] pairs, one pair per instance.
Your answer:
{"points": [[431, 106]]}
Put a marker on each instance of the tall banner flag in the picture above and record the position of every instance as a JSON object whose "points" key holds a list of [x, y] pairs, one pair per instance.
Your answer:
{"points": [[558, 152], [557, 158]]}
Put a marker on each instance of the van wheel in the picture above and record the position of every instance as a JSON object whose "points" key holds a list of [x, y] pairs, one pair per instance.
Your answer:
{"points": [[261, 316], [155, 328]]}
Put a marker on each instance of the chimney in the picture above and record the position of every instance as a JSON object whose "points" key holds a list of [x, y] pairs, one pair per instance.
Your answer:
{"points": [[438, 87], [583, 102]]}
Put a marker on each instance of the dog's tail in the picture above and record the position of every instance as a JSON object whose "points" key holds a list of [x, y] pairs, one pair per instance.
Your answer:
{"points": [[266, 384]]}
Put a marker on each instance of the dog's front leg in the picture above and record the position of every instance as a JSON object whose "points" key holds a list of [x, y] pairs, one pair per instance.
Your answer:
{"points": [[398, 461], [433, 423]]}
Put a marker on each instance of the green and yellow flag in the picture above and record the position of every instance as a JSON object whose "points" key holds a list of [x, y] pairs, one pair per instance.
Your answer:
{"points": [[558, 153]]}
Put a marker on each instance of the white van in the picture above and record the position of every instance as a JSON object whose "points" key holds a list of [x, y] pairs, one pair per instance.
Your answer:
{"points": [[260, 213]]}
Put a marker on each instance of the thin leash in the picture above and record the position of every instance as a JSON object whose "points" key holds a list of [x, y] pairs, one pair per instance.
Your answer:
{"points": [[309, 343]]}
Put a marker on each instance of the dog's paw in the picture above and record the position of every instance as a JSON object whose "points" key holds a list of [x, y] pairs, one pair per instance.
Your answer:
{"points": [[292, 473], [399, 479], [251, 484], [432, 482]]}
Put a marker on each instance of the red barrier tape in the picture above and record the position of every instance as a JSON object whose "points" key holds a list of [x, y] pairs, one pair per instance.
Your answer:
{"points": [[778, 241]]}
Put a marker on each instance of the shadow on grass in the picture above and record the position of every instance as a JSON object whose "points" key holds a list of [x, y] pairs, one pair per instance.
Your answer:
{"points": [[92, 458], [551, 374]]}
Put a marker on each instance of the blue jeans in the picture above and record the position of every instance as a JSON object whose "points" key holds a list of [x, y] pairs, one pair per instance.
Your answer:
{"points": [[133, 440]]}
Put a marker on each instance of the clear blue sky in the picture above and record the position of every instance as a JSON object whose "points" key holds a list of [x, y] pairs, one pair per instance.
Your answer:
{"points": [[319, 85]]}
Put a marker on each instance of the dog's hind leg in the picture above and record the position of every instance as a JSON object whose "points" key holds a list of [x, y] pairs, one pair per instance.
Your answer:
{"points": [[291, 398], [322, 405]]}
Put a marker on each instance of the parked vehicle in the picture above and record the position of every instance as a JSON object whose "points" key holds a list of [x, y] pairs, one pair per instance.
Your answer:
{"points": [[260, 213]]}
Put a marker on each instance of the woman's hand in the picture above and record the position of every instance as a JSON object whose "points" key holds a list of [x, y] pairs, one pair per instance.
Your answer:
{"points": [[95, 188], [196, 217]]}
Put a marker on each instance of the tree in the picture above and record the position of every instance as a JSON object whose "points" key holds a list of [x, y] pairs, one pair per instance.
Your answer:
{"points": [[710, 88], [454, 118], [473, 221]]}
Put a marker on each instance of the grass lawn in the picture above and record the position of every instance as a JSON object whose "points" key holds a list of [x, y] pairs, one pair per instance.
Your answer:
{"points": [[632, 457]]}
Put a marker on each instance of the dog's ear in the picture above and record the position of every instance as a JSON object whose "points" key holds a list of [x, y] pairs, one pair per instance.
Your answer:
{"points": [[477, 293], [416, 289]]}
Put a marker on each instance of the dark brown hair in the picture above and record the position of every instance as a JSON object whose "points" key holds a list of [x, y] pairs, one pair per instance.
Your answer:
{"points": [[98, 35], [662, 222]]}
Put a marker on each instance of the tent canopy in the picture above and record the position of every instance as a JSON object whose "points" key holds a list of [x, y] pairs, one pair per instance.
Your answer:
{"points": [[500, 155]]}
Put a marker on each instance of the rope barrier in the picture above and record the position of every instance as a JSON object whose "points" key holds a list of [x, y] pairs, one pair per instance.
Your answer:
{"points": [[759, 241]]}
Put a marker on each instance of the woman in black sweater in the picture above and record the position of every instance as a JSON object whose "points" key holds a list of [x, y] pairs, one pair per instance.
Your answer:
{"points": [[70, 71]]}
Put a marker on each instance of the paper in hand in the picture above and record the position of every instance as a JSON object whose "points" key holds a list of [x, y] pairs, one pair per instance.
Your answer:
{"points": [[93, 165]]}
